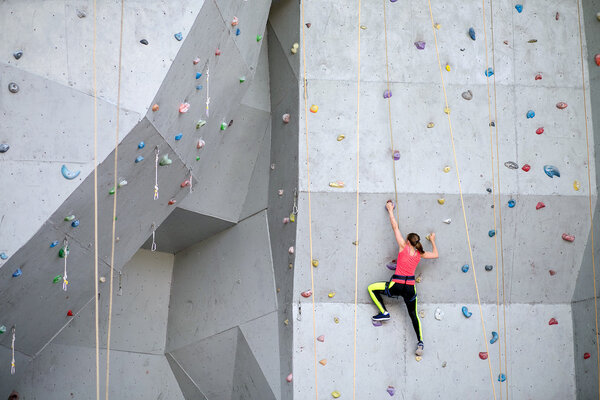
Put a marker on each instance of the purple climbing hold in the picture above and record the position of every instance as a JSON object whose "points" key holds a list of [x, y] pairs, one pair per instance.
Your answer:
{"points": [[391, 390], [391, 265], [376, 323], [420, 45], [396, 155], [18, 54], [393, 1], [4, 147], [179, 36], [387, 94]]}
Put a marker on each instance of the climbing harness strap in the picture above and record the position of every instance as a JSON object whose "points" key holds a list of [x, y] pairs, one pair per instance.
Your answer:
{"points": [[400, 278]]}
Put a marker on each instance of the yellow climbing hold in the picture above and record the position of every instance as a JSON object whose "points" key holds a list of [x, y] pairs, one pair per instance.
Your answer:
{"points": [[341, 137], [418, 358], [331, 294], [337, 184], [437, 26], [292, 217], [336, 320], [291, 266], [315, 263], [446, 169], [430, 125], [286, 322], [428, 237], [448, 67], [447, 110], [355, 243], [441, 201], [294, 49], [314, 108], [576, 185], [335, 394], [323, 362], [422, 313], [363, 27], [419, 279]]}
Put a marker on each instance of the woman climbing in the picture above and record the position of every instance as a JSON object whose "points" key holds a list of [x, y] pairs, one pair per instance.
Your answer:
{"points": [[402, 282]]}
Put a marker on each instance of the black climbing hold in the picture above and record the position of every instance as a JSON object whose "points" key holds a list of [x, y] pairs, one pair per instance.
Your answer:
{"points": [[4, 147], [492, 123], [144, 42], [489, 267], [230, 123], [489, 190], [81, 14], [18, 54], [13, 87]]}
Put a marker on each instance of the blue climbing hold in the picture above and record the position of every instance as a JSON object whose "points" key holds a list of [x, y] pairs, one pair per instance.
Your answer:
{"points": [[17, 273], [75, 223], [492, 233], [198, 75], [489, 72], [237, 32], [472, 33], [179, 36], [68, 174], [178, 136], [54, 244], [501, 378], [466, 312], [141, 145], [551, 171], [199, 87], [139, 159], [494, 338], [530, 114], [465, 268], [511, 203], [3, 256], [519, 8]]}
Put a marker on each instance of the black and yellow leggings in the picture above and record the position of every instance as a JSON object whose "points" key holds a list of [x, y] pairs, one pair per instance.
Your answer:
{"points": [[407, 292]]}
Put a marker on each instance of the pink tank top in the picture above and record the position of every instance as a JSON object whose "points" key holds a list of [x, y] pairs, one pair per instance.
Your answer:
{"points": [[407, 264]]}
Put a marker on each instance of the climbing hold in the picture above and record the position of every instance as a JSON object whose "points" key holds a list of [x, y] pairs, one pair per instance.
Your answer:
{"points": [[337, 320], [363, 27], [69, 174], [597, 59], [557, 16], [492, 233], [420, 45], [553, 321], [13, 87], [538, 77], [472, 33], [465, 268], [489, 267], [178, 136], [483, 355], [111, 191], [337, 184], [418, 358], [172, 201], [57, 279], [437, 26], [439, 314], [441, 201], [444, 363], [376, 323], [165, 160], [179, 36], [75, 223], [341, 137], [532, 41], [447, 221], [420, 277], [234, 21], [422, 313], [144, 42], [446, 169], [155, 107], [321, 338], [141, 145], [468, 95], [552, 272], [139, 159], [294, 48], [387, 94], [308, 24], [286, 220], [586, 356], [237, 32], [539, 205], [102, 279], [196, 61], [315, 263], [511, 165], [447, 110], [561, 105], [242, 79], [314, 108], [185, 183], [391, 265], [198, 75], [466, 312], [489, 190], [54, 244], [289, 378], [511, 203], [335, 394], [489, 72], [519, 8], [217, 52], [568, 238], [494, 338], [81, 14], [258, 38], [539, 130], [201, 143], [396, 155], [598, 16], [18, 54], [223, 126], [69, 218], [530, 114], [448, 68], [3, 256], [2, 329], [184, 107], [17, 273], [4, 147], [430, 125], [551, 171], [286, 118], [69, 313], [576, 185], [526, 167], [501, 378], [200, 124], [391, 390]]}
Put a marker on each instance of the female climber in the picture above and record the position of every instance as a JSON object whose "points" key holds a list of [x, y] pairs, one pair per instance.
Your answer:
{"points": [[402, 282]]}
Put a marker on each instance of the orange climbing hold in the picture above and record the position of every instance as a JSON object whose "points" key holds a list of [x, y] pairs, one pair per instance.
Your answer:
{"points": [[314, 108], [323, 362], [155, 107]]}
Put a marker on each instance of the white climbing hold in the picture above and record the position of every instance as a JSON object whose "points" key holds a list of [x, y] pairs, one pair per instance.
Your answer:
{"points": [[439, 314], [291, 250], [447, 221]]}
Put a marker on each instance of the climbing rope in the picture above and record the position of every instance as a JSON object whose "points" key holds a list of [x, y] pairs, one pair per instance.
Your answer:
{"points": [[65, 278], [114, 215], [95, 91], [310, 240], [587, 143], [461, 194], [357, 204], [495, 119]]}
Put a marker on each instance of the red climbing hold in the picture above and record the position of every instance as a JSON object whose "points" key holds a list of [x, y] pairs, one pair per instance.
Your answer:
{"points": [[69, 313], [526, 167], [483, 355], [185, 183], [217, 52], [568, 238], [539, 205], [586, 356], [172, 201], [561, 105], [538, 77], [552, 272], [540, 130], [306, 294], [597, 59], [553, 321]]}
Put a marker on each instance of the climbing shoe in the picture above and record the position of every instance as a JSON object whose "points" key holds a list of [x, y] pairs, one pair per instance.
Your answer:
{"points": [[419, 351], [381, 317]]}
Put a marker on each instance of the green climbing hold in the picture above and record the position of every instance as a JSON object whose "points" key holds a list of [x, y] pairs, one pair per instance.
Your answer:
{"points": [[57, 279], [165, 160], [69, 218], [258, 38], [2, 329], [242, 79], [111, 191], [62, 253], [223, 126]]}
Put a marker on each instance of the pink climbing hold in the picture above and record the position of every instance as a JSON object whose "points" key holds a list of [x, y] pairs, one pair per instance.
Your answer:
{"points": [[539, 205], [286, 118], [540, 130], [552, 272], [586, 356], [568, 238], [185, 183], [538, 77], [196, 61], [483, 355], [321, 338], [291, 250], [217, 52], [557, 16], [184, 107], [289, 378], [306, 294], [561, 105], [553, 321], [526, 167], [286, 220]]}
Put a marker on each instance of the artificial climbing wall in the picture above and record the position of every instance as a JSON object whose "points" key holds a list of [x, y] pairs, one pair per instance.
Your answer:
{"points": [[537, 67]]}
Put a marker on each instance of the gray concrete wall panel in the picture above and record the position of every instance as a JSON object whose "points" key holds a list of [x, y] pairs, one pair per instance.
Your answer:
{"points": [[249, 381], [258, 95], [189, 389], [258, 188]]}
